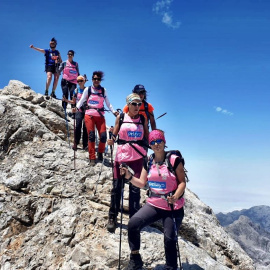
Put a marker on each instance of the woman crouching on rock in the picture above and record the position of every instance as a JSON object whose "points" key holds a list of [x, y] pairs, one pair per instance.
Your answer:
{"points": [[165, 201]]}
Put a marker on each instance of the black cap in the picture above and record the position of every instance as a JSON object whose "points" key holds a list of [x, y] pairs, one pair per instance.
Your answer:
{"points": [[138, 88]]}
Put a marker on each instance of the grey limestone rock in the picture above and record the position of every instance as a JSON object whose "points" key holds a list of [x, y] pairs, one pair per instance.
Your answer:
{"points": [[49, 216]]}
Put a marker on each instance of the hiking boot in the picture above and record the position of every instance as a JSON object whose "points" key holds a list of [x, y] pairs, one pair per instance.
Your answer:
{"points": [[53, 95], [111, 226], [135, 262], [92, 162], [71, 115], [46, 93], [74, 147], [170, 267], [100, 157]]}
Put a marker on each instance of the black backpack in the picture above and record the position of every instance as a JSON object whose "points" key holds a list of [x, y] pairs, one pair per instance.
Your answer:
{"points": [[146, 109]]}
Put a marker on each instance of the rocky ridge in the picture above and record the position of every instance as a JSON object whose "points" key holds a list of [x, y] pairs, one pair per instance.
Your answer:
{"points": [[50, 218], [250, 228], [257, 214]]}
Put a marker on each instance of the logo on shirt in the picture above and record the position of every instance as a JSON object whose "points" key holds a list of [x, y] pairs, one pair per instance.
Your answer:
{"points": [[134, 134], [93, 102], [73, 72], [157, 185]]}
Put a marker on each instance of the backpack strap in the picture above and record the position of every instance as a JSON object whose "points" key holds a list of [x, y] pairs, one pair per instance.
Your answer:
{"points": [[142, 118], [102, 92], [150, 162], [77, 67], [121, 120], [168, 159], [170, 166], [122, 115], [89, 92], [146, 110], [76, 92]]}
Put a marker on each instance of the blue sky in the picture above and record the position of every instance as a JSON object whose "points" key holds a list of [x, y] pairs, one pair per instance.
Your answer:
{"points": [[204, 62]]}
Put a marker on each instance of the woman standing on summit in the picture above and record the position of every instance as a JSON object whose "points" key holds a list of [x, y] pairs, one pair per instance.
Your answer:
{"points": [[70, 73], [52, 61]]}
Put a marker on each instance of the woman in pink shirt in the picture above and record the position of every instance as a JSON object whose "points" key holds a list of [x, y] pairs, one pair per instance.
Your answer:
{"points": [[130, 150], [165, 201]]}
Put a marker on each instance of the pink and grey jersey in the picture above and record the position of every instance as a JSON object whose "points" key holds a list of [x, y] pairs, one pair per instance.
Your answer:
{"points": [[163, 183], [130, 130], [95, 101], [70, 71]]}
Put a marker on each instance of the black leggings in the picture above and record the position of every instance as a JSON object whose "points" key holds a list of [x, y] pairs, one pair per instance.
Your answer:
{"points": [[134, 192], [67, 89], [79, 116], [147, 215]]}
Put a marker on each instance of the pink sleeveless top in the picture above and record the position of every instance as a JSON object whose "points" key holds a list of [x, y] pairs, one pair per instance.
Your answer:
{"points": [[70, 73], [95, 101], [129, 131], [163, 184]]}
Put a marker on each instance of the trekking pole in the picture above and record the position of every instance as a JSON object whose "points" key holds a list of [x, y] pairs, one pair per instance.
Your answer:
{"points": [[97, 182], [122, 205], [111, 147], [96, 138], [121, 219], [161, 116], [176, 237], [65, 109], [74, 123]]}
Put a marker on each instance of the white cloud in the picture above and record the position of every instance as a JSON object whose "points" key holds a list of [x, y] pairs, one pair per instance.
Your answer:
{"points": [[223, 111], [162, 8]]}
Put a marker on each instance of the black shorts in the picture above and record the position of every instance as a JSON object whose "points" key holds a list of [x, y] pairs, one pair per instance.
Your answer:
{"points": [[51, 69]]}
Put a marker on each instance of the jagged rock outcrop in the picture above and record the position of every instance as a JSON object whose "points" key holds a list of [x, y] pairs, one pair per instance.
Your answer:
{"points": [[50, 218], [252, 236], [257, 214]]}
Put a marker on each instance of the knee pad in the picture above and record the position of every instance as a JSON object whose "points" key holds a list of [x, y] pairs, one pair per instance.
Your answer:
{"points": [[103, 137], [92, 136]]}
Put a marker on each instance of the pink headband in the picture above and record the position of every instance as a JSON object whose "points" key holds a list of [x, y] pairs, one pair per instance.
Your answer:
{"points": [[156, 134]]}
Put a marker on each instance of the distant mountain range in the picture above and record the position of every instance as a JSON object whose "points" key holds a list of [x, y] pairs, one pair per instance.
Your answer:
{"points": [[251, 229]]}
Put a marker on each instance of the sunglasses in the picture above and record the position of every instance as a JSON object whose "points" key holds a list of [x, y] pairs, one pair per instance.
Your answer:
{"points": [[96, 79], [136, 104], [70, 54], [80, 81], [158, 141]]}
